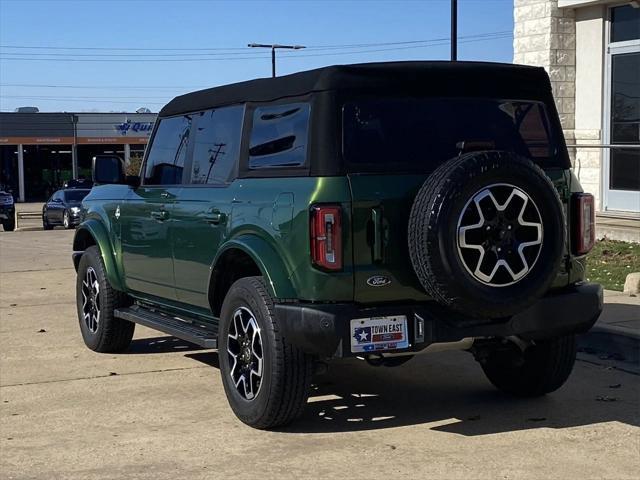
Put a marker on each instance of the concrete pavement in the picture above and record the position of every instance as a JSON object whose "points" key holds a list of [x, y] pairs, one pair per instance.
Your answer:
{"points": [[159, 410], [617, 332]]}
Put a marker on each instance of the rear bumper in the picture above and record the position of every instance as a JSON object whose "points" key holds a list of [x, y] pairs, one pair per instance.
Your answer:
{"points": [[323, 329]]}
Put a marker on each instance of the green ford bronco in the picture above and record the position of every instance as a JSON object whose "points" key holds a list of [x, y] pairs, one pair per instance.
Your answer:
{"points": [[378, 211]]}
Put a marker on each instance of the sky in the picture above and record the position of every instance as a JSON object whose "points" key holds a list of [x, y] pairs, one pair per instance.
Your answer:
{"points": [[120, 55]]}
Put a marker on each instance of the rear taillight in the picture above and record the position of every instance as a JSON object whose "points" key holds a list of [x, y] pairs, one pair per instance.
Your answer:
{"points": [[326, 236], [584, 215]]}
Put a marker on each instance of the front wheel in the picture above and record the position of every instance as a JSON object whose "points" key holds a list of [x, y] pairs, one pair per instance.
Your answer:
{"points": [[541, 368], [266, 379], [9, 225], [96, 300], [66, 220]]}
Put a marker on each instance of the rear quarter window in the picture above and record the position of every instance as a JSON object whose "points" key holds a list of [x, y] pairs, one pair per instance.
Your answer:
{"points": [[279, 136]]}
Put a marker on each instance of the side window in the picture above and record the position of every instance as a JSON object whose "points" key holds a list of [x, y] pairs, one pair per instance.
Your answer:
{"points": [[216, 146], [168, 153], [279, 136]]}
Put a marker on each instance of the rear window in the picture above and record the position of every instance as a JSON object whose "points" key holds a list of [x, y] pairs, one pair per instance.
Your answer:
{"points": [[417, 135], [75, 195]]}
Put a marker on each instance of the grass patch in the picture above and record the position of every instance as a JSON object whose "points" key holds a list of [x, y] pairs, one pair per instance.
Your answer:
{"points": [[610, 261]]}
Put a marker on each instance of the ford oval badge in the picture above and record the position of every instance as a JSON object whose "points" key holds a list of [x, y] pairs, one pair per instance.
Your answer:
{"points": [[378, 281]]}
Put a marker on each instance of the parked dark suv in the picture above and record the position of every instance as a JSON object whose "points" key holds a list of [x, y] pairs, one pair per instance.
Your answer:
{"points": [[7, 210], [376, 210]]}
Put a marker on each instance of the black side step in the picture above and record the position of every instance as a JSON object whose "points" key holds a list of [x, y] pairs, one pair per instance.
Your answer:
{"points": [[189, 330]]}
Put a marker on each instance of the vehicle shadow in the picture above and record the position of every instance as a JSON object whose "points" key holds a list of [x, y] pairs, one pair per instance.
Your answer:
{"points": [[449, 392], [164, 344]]}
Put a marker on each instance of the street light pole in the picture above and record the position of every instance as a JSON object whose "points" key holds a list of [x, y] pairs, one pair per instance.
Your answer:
{"points": [[273, 48], [454, 30]]}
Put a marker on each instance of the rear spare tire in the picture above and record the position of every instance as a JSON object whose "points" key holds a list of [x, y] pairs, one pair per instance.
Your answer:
{"points": [[487, 234]]}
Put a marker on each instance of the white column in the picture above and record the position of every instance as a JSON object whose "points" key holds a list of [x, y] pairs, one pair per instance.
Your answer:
{"points": [[21, 173], [74, 160], [127, 154]]}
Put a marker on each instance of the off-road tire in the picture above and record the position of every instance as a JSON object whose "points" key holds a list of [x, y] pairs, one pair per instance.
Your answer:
{"points": [[288, 371], [112, 334], [9, 225], [542, 368], [432, 233]]}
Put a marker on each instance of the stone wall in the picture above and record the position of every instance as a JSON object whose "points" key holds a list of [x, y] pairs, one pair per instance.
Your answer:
{"points": [[545, 35]]}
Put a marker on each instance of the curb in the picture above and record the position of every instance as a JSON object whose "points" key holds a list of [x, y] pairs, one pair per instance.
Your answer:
{"points": [[617, 342]]}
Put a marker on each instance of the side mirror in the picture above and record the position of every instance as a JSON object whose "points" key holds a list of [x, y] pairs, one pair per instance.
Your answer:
{"points": [[108, 169]]}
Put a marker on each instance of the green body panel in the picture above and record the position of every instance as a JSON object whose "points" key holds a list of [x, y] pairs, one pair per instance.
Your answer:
{"points": [[268, 261], [382, 249], [146, 244], [99, 210], [271, 216]]}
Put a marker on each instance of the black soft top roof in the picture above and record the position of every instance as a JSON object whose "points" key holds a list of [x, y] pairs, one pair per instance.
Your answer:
{"points": [[464, 78]]}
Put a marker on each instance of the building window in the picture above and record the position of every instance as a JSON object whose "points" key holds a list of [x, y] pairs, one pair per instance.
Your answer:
{"points": [[625, 23]]}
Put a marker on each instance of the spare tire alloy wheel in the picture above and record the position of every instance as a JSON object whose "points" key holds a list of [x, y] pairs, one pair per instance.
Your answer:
{"points": [[487, 234], [244, 347], [504, 241]]}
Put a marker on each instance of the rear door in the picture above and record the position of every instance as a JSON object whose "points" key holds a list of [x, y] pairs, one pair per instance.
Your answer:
{"points": [[390, 147], [146, 214], [201, 214]]}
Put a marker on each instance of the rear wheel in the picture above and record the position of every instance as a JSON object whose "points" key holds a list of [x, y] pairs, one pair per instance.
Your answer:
{"points": [[96, 300], [541, 368], [45, 223], [266, 379]]}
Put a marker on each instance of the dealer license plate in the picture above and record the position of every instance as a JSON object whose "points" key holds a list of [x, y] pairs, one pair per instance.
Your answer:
{"points": [[379, 333]]}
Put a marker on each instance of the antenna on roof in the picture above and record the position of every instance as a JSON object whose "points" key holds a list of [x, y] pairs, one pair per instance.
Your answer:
{"points": [[454, 30]]}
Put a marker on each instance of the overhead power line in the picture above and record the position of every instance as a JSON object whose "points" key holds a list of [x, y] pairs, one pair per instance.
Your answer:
{"points": [[432, 43], [105, 87], [239, 49], [83, 100]]}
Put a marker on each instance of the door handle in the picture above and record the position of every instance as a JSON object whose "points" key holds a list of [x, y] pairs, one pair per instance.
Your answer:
{"points": [[214, 217], [159, 215], [376, 218], [164, 194]]}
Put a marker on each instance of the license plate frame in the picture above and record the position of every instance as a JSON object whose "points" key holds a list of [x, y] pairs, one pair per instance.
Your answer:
{"points": [[374, 334]]}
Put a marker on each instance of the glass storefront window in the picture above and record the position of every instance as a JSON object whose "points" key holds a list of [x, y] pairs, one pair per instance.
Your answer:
{"points": [[85, 154], [625, 23], [9, 169], [625, 121], [46, 168]]}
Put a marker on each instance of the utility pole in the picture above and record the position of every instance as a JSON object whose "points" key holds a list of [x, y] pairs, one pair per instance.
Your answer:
{"points": [[454, 30], [273, 48]]}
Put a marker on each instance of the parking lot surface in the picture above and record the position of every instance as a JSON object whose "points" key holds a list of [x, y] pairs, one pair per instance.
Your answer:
{"points": [[159, 410]]}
